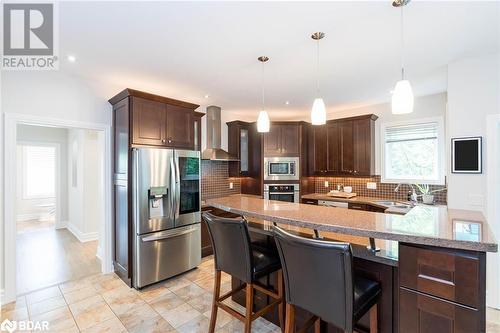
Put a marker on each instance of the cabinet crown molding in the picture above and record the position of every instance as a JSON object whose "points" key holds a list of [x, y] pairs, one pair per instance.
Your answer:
{"points": [[137, 93]]}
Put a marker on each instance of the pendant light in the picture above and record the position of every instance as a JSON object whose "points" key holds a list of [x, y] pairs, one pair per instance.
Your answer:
{"points": [[318, 111], [402, 96], [263, 119]]}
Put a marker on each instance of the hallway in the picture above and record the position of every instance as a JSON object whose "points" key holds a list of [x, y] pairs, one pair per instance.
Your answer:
{"points": [[49, 256]]}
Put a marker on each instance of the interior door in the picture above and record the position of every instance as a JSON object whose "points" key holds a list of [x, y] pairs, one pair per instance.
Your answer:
{"points": [[187, 187]]}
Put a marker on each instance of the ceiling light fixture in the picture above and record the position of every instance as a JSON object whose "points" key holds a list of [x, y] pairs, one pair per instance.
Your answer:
{"points": [[402, 96], [318, 112], [71, 58], [263, 119], [207, 96]]}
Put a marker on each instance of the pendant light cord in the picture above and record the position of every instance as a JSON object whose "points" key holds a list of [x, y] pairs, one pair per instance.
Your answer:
{"points": [[402, 45], [317, 69], [263, 91]]}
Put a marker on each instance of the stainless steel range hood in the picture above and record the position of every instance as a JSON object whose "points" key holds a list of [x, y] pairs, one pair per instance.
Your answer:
{"points": [[214, 152]]}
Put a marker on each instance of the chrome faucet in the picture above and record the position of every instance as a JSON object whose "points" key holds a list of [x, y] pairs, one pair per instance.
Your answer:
{"points": [[413, 197]]}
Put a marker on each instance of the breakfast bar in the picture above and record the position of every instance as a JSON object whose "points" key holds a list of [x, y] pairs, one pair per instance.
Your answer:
{"points": [[431, 266]]}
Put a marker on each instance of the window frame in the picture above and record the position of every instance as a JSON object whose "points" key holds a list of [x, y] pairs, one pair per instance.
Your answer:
{"points": [[23, 170], [441, 162]]}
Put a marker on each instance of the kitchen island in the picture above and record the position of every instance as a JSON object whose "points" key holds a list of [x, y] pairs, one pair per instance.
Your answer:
{"points": [[435, 277]]}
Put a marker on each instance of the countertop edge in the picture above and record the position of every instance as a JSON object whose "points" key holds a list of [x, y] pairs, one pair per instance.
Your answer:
{"points": [[411, 239]]}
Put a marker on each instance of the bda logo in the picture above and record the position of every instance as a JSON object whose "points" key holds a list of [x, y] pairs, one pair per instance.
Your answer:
{"points": [[8, 325]]}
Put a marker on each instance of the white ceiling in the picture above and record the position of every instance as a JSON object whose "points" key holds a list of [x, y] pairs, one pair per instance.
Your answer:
{"points": [[186, 50]]}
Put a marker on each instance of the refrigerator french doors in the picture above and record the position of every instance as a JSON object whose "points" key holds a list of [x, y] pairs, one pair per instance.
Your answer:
{"points": [[166, 210]]}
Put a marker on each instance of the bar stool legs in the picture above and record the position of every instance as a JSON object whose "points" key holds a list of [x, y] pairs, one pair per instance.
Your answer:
{"points": [[249, 316], [290, 321], [216, 296]]}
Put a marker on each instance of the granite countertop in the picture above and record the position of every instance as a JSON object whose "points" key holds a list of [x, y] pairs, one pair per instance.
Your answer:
{"points": [[426, 225]]}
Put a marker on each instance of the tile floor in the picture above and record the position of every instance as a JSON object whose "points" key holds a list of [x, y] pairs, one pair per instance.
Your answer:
{"points": [[103, 303]]}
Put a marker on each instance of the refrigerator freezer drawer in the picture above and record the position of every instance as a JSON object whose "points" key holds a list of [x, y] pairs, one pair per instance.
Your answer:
{"points": [[163, 254]]}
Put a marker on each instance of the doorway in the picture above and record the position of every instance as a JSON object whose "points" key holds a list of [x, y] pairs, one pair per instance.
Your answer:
{"points": [[58, 216], [59, 208]]}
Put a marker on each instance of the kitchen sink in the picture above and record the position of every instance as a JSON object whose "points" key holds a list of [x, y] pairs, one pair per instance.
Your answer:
{"points": [[393, 204]]}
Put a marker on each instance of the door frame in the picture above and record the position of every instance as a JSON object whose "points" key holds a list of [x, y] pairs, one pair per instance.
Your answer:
{"points": [[11, 120]]}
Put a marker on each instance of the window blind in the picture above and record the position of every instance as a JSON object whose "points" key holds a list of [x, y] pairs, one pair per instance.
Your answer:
{"points": [[39, 171], [424, 131]]}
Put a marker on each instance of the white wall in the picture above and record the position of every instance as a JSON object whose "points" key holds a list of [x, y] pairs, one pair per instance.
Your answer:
{"points": [[41, 135], [473, 89], [85, 175]]}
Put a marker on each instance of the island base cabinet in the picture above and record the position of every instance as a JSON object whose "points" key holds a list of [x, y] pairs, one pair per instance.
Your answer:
{"points": [[420, 313]]}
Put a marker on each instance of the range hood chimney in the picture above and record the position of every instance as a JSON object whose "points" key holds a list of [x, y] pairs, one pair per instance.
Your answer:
{"points": [[214, 151]]}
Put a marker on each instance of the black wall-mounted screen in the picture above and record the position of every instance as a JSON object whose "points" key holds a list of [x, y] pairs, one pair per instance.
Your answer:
{"points": [[466, 155]]}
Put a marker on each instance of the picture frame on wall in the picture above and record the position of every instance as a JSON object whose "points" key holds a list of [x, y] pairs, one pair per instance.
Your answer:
{"points": [[466, 155]]}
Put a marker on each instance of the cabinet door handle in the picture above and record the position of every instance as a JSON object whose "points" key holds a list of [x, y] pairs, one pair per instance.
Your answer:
{"points": [[163, 140]]}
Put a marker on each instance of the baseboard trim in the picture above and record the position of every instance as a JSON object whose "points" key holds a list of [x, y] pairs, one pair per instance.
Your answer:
{"points": [[81, 236]]}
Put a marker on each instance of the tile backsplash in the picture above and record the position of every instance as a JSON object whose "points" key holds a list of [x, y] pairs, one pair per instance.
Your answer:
{"points": [[384, 190], [215, 180]]}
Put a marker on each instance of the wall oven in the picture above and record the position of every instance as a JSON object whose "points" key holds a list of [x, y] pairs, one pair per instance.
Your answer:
{"points": [[282, 192], [281, 168]]}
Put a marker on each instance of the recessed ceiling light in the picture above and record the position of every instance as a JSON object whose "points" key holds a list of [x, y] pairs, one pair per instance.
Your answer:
{"points": [[207, 96], [287, 103], [71, 58]]}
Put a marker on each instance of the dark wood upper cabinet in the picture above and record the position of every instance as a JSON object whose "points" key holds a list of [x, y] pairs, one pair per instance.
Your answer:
{"points": [[179, 127], [245, 143], [161, 121], [283, 139], [318, 154], [148, 118], [346, 144], [343, 147], [333, 148]]}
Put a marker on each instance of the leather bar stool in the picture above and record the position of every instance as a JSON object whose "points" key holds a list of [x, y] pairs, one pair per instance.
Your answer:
{"points": [[234, 255], [319, 278]]}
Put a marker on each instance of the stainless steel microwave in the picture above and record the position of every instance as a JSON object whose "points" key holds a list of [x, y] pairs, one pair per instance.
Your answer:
{"points": [[281, 168]]}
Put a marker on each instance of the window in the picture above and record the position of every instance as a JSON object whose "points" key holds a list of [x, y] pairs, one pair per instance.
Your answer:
{"points": [[413, 152], [39, 171]]}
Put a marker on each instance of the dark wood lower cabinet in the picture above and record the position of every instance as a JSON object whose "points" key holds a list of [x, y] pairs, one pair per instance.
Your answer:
{"points": [[421, 313]]}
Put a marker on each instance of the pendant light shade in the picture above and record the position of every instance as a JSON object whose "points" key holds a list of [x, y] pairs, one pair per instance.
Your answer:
{"points": [[402, 98], [318, 112], [263, 122]]}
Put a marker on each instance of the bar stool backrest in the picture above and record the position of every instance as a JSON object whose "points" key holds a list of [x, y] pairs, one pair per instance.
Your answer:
{"points": [[231, 245], [318, 277]]}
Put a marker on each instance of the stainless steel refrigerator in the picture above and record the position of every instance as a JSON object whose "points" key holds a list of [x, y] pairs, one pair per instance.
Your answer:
{"points": [[166, 213]]}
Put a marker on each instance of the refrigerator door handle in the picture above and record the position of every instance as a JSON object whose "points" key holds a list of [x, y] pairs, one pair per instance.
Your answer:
{"points": [[173, 234], [135, 189], [177, 188], [173, 200]]}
